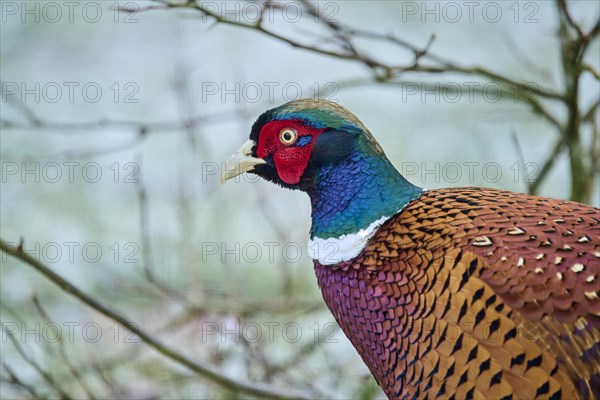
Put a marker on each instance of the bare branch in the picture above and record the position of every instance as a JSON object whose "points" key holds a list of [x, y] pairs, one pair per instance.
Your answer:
{"points": [[204, 370], [519, 150], [43, 373], [547, 166], [348, 52], [63, 352], [140, 127], [562, 5], [588, 116], [14, 379]]}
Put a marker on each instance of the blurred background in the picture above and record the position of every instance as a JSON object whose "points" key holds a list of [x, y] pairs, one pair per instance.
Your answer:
{"points": [[117, 118]]}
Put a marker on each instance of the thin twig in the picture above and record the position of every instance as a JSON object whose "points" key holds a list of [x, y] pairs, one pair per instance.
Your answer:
{"points": [[547, 166], [43, 373], [63, 352], [350, 53], [204, 370], [515, 140], [140, 127], [562, 5], [15, 380]]}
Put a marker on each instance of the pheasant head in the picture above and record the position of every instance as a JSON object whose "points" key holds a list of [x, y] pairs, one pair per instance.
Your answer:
{"points": [[321, 148]]}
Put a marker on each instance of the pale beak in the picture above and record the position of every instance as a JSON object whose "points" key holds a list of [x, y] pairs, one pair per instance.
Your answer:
{"points": [[241, 161]]}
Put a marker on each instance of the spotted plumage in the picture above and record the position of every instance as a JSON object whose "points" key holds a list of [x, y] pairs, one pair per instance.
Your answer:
{"points": [[444, 301], [452, 293]]}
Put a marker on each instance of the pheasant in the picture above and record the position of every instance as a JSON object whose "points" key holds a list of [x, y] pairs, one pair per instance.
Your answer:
{"points": [[461, 293]]}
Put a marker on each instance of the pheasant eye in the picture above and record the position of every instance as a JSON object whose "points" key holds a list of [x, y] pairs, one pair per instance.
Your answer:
{"points": [[287, 136]]}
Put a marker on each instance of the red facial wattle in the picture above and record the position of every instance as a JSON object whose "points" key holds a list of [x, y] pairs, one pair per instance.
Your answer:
{"points": [[290, 160]]}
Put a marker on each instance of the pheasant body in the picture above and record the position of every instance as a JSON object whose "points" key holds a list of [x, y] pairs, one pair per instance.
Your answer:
{"points": [[461, 293]]}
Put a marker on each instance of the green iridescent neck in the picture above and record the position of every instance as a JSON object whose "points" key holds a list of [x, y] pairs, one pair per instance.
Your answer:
{"points": [[354, 193]]}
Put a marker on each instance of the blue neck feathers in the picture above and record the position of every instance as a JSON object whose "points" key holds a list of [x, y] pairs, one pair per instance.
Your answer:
{"points": [[353, 193]]}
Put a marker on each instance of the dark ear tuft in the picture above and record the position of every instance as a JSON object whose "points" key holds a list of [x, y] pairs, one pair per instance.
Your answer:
{"points": [[259, 123], [331, 146]]}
